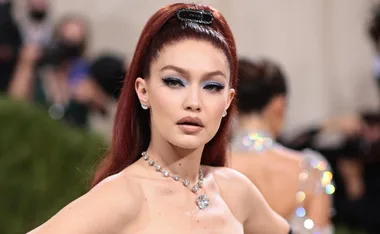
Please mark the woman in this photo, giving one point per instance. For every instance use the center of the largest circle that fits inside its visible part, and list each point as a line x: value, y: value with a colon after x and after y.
x: 291, y: 182
x: 164, y: 173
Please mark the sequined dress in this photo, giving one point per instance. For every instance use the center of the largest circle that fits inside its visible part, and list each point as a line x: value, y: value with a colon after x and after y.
x: 314, y: 165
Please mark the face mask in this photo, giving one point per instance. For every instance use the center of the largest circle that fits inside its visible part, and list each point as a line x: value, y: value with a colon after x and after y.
x: 70, y: 50
x: 37, y: 15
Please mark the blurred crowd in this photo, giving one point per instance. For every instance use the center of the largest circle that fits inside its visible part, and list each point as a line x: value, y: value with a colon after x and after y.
x: 351, y: 144
x: 46, y: 63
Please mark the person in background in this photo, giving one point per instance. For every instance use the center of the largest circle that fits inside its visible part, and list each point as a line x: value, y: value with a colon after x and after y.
x: 296, y: 185
x: 10, y: 44
x: 351, y: 144
x: 58, y: 77
x: 37, y: 27
x: 108, y: 71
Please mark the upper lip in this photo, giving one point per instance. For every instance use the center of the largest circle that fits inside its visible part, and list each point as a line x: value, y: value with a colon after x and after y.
x: 191, y: 121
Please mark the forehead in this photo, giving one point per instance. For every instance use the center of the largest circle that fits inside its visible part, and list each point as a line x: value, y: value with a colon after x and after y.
x: 194, y: 56
x: 37, y: 3
x: 72, y: 28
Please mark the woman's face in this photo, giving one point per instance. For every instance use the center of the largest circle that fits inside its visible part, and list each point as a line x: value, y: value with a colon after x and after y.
x: 187, y: 92
x: 73, y: 31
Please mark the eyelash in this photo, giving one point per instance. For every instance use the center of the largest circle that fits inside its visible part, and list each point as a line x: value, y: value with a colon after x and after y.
x: 214, y: 87
x: 175, y: 83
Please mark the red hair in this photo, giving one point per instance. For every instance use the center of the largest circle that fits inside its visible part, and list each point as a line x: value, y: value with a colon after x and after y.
x: 131, y: 134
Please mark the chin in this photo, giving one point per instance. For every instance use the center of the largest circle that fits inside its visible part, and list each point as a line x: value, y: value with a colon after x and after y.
x: 188, y: 142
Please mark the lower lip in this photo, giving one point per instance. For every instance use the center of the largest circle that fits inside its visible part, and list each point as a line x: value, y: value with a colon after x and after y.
x: 190, y: 129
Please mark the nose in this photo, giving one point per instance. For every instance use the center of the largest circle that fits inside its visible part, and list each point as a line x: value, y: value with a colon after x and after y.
x: 192, y: 101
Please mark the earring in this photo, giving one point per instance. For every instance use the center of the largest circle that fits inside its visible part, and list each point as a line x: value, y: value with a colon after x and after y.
x: 145, y: 107
x: 224, y: 113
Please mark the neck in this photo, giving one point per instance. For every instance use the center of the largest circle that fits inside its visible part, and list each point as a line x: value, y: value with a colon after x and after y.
x: 183, y: 162
x: 256, y: 122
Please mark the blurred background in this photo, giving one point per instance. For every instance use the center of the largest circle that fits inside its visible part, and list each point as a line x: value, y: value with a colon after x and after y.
x: 62, y: 63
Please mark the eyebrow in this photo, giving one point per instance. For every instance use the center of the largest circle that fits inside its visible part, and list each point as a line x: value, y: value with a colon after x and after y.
x: 186, y: 73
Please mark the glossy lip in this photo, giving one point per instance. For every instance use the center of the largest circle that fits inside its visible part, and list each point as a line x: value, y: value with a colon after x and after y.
x: 190, y: 129
x: 191, y: 121
x: 190, y: 125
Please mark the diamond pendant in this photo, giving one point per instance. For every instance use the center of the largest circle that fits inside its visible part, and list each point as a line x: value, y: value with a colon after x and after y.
x: 202, y: 202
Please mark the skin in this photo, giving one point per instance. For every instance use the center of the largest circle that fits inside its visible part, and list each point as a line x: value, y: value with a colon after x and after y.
x: 73, y: 31
x: 276, y: 171
x: 141, y: 200
x: 37, y: 4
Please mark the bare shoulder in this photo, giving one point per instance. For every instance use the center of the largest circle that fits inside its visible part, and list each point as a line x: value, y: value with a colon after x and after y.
x: 107, y: 208
x: 269, y: 164
x: 279, y: 154
x: 225, y: 176
x: 229, y: 180
x: 235, y: 188
x: 290, y: 155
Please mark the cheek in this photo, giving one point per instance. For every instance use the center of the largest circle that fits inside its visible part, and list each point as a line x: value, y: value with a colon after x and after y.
x: 213, y: 114
x: 163, y: 103
x: 215, y: 106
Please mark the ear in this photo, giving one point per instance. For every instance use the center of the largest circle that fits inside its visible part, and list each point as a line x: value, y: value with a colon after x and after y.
x: 231, y: 95
x: 141, y: 88
x: 277, y: 106
x: 280, y: 103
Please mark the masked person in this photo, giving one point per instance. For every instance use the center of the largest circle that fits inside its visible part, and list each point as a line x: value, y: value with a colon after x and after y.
x: 37, y: 27
x: 58, y: 77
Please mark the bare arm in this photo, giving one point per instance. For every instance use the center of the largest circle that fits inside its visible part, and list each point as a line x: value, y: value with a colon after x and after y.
x: 319, y: 210
x: 352, y: 175
x: 261, y: 218
x: 22, y: 83
x: 348, y: 124
x: 107, y: 208
x: 318, y: 203
x: 87, y: 91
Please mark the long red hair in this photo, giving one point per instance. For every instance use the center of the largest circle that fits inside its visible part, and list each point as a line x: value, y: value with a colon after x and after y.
x: 131, y: 134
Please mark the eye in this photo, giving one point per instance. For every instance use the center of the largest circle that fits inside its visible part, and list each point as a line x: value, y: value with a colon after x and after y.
x: 214, y: 86
x: 173, y: 82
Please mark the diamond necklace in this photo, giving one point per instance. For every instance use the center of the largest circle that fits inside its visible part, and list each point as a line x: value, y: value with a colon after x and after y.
x: 202, y: 201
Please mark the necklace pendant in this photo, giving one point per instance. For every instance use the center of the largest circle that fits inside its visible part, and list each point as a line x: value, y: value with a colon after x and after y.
x: 202, y: 202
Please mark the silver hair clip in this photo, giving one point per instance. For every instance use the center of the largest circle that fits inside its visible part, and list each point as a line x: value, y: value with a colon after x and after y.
x: 196, y: 16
